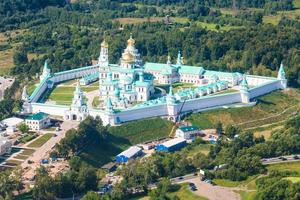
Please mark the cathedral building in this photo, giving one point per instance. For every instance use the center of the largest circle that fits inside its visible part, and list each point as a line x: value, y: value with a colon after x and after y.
x: 126, y: 82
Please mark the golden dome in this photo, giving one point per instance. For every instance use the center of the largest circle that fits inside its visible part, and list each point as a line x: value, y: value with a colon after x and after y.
x: 127, y: 57
x: 104, y: 44
x: 130, y: 41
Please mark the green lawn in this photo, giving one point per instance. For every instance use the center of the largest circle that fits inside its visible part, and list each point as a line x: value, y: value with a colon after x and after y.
x: 27, y: 152
x: 289, y: 166
x: 183, y: 193
x: 293, y: 179
x: 41, y: 140
x: 268, y: 105
x: 249, y: 183
x: 63, y: 95
x: 247, y: 195
x: 201, y: 148
x: 124, y: 136
x: 26, y: 138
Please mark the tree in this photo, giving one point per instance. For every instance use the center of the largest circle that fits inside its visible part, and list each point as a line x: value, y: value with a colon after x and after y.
x: 20, y: 57
x: 91, y: 196
x: 23, y: 128
x: 43, y: 188
x: 219, y: 128
x: 231, y: 131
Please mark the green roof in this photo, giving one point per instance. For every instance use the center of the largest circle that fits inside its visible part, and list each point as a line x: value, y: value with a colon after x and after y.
x: 37, y: 116
x: 186, y: 69
x: 142, y: 83
x: 189, y: 128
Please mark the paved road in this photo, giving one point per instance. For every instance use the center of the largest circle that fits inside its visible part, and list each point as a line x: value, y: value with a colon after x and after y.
x: 44, y: 150
x: 281, y: 159
x: 205, y: 189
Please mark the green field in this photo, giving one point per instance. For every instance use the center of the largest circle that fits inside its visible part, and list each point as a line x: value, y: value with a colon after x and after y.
x: 27, y: 152
x: 265, y: 112
x: 183, y: 193
x: 41, y: 140
x: 63, y: 95
x: 289, y: 166
x: 26, y: 138
x: 124, y: 136
x: 293, y: 179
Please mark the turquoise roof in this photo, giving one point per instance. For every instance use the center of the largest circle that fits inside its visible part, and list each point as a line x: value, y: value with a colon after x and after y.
x: 220, y: 74
x: 37, y: 116
x: 186, y: 69
x: 189, y: 128
x: 142, y: 83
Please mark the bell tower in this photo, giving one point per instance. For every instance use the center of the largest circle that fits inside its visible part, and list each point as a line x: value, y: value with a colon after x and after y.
x: 103, y: 57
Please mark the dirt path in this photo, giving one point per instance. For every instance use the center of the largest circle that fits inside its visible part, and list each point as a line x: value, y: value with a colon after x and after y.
x: 44, y: 150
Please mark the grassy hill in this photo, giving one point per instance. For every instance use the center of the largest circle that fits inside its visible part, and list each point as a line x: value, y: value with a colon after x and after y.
x: 271, y: 108
x: 123, y: 136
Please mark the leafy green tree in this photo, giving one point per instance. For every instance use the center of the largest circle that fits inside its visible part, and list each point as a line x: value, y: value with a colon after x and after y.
x: 23, y: 128
x: 91, y: 196
x: 44, y: 188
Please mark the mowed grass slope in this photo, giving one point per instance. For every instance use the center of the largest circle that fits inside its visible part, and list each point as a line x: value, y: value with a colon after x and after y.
x: 266, y: 110
x: 124, y: 136
x: 183, y: 193
x: 41, y: 140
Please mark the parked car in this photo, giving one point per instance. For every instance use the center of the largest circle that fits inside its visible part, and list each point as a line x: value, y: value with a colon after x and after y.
x: 296, y: 157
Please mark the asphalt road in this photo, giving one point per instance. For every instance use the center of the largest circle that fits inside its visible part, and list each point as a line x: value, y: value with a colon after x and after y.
x: 281, y: 159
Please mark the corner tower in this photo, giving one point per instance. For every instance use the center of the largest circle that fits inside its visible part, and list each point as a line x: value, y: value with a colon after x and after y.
x: 244, y: 90
x: 281, y: 76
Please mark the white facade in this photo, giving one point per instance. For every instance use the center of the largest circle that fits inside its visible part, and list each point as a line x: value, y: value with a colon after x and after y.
x: 187, y: 132
x: 38, y: 121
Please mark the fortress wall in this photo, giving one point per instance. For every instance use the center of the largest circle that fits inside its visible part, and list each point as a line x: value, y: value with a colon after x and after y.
x: 74, y: 73
x: 210, y: 101
x: 49, y: 109
x: 140, y: 113
x: 258, y: 80
x: 39, y: 91
x: 265, y: 88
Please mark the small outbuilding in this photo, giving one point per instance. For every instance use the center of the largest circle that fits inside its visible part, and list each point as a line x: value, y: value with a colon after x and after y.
x: 38, y: 121
x: 187, y: 132
x: 171, y: 145
x: 11, y: 124
x: 5, y: 146
x: 129, y: 154
x: 110, y: 167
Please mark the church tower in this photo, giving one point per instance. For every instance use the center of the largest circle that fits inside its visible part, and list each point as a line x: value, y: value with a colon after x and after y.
x: 179, y: 59
x: 78, y: 110
x: 171, y: 105
x: 46, y: 71
x: 103, y: 57
x: 26, y: 107
x: 281, y: 76
x: 244, y: 90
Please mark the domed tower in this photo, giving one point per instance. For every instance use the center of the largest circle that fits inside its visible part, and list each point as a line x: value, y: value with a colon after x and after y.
x: 131, y: 57
x: 171, y: 105
x: 103, y: 57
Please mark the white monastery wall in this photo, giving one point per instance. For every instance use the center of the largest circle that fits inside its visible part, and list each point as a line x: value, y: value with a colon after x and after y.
x: 140, y: 113
x: 210, y: 101
x: 258, y: 80
x: 58, y: 110
x: 265, y: 88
